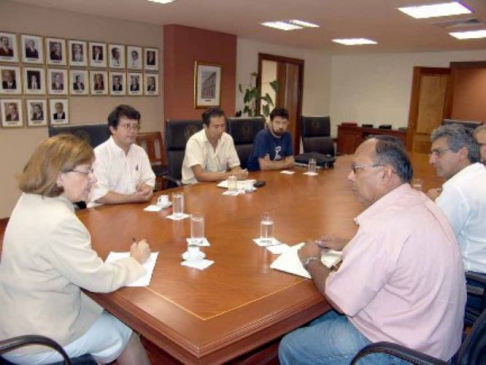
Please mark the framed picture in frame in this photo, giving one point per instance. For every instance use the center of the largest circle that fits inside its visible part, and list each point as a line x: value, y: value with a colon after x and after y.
x: 11, y: 110
x: 151, y: 84
x: 11, y: 81
x: 59, y: 111
x: 36, y: 112
x: 99, y: 82
x: 8, y: 47
x: 32, y: 48
x: 57, y: 81
x: 151, y: 59
x: 134, y: 58
x: 78, y: 82
x: 34, y: 81
x: 78, y: 53
x: 97, y: 54
x: 207, y: 85
x: 117, y: 83
x: 117, y: 56
x: 135, y: 84
x: 56, y: 51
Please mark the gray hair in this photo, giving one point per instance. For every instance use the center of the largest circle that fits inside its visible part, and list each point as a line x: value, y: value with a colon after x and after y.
x: 457, y: 137
x: 389, y: 150
x: 481, y: 128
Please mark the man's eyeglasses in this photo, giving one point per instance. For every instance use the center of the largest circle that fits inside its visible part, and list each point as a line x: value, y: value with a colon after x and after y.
x: 355, y: 167
x: 438, y: 152
x: 127, y: 127
x: 90, y: 171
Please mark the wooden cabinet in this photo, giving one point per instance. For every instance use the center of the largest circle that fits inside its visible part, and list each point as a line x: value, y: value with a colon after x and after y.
x: 351, y: 136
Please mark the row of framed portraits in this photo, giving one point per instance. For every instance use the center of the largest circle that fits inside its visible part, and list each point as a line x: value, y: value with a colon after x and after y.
x: 76, y: 82
x: 61, y: 52
x: 38, y: 112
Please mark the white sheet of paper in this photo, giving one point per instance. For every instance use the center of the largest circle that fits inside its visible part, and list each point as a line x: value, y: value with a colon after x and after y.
x: 198, y: 264
x: 233, y: 193
x: 278, y: 249
x: 241, y: 184
x: 311, y: 173
x: 287, y: 172
x: 262, y: 242
x: 149, y: 266
x: 153, y: 208
x: 289, y: 261
x: 198, y: 242
x: 184, y: 216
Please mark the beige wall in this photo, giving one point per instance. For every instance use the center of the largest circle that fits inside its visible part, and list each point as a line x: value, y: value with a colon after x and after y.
x: 269, y: 74
x: 376, y: 88
x: 16, y: 145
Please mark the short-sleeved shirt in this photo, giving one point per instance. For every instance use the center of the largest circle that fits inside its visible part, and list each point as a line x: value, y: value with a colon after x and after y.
x: 402, y: 279
x: 199, y: 151
x: 463, y: 200
x: 120, y: 172
x: 265, y: 143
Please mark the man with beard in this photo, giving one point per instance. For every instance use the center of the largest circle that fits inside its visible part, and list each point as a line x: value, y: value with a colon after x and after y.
x: 272, y: 148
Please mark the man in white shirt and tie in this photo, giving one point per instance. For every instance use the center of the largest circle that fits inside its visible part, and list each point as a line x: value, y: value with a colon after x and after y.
x: 122, y: 168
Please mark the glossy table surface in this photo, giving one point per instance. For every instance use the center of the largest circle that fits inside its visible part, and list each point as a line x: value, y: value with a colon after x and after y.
x: 238, y: 303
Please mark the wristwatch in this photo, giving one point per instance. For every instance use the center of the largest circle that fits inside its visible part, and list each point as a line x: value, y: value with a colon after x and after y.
x: 308, y: 260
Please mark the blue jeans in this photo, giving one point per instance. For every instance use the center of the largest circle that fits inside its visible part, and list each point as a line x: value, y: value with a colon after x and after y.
x: 330, y: 339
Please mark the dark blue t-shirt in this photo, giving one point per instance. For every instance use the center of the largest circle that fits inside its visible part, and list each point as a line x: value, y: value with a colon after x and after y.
x: 266, y: 144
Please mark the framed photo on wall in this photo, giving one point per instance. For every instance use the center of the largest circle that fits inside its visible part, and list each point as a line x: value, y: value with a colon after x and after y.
x: 32, y: 47
x: 151, y: 59
x: 117, y: 83
x: 151, y: 84
x: 11, y: 81
x: 34, y: 81
x: 78, y: 82
x: 37, y: 112
x: 59, y: 111
x: 56, y: 51
x: 97, y: 54
x: 134, y: 57
x: 78, y: 53
x: 11, y: 110
x: 207, y: 85
x: 57, y: 80
x: 135, y: 84
x: 99, y: 82
x: 8, y: 47
x: 117, y: 56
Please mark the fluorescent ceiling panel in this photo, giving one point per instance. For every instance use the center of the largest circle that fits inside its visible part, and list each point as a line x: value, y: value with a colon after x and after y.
x: 354, y: 41
x: 302, y: 23
x: 472, y: 34
x: 435, y: 10
x: 162, y: 1
x: 281, y: 25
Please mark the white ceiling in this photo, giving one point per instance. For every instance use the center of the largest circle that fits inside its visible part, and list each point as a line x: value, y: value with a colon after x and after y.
x: 376, y: 19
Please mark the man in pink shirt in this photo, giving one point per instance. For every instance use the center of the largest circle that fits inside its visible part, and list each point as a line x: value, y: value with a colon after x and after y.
x: 401, y: 279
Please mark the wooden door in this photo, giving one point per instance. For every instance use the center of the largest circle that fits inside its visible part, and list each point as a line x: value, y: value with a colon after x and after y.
x: 427, y: 105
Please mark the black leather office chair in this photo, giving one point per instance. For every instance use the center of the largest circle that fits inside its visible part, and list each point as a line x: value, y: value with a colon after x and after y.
x: 476, y: 297
x: 94, y: 134
x: 21, y: 341
x: 177, y: 133
x: 243, y: 131
x: 316, y: 135
x: 471, y: 352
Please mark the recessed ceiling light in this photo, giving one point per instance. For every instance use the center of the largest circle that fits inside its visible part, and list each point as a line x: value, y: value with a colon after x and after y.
x: 302, y: 23
x: 471, y: 34
x: 162, y: 1
x: 281, y: 25
x: 435, y: 10
x: 354, y: 41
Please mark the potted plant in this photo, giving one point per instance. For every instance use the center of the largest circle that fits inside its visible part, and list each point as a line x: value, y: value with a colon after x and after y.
x: 252, y: 97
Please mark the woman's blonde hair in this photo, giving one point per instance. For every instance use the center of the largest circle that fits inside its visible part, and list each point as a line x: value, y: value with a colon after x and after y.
x: 52, y: 156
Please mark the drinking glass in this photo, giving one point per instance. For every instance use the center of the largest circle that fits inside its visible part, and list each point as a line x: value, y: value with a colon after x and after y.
x: 232, y: 183
x: 312, y: 165
x: 178, y: 204
x: 266, y: 227
x: 197, y: 228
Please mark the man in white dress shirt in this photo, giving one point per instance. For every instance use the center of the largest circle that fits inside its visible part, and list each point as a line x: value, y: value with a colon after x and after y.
x: 210, y: 153
x: 121, y: 167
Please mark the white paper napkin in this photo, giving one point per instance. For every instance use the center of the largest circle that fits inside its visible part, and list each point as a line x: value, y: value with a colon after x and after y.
x: 153, y: 208
x: 262, y: 242
x: 234, y: 193
x: 198, y: 241
x: 198, y: 264
x: 278, y: 249
x: 311, y: 173
x: 287, y: 172
x: 183, y: 216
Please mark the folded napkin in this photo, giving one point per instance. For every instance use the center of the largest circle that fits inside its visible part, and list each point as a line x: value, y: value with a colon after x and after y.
x: 198, y: 264
x: 183, y: 216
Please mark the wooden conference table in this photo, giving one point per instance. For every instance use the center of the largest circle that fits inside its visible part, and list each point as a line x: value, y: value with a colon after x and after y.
x: 238, y: 304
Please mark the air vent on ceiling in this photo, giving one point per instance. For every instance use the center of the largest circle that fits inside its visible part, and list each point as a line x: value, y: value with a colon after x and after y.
x: 459, y: 23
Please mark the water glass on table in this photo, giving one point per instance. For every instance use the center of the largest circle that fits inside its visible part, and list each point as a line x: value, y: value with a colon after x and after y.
x: 197, y: 228
x: 178, y: 204
x: 232, y: 183
x: 312, y: 165
x: 266, y: 227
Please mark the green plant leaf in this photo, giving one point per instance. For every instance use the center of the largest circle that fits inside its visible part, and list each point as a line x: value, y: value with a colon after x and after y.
x: 248, y: 96
x: 240, y: 87
x: 274, y: 85
x: 266, y: 110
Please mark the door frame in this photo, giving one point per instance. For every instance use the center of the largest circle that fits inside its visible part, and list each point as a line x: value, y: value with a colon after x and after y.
x: 295, y: 61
